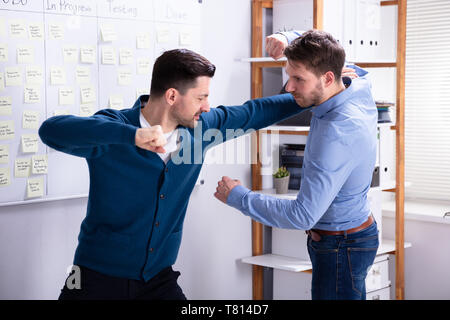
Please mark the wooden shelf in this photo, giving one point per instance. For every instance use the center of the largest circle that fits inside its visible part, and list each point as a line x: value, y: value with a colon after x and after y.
x: 303, y: 130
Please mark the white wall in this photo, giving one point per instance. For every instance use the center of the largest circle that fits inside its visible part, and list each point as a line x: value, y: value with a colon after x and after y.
x: 37, y: 241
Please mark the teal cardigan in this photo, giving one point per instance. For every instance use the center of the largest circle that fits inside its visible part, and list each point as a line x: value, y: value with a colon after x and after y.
x: 137, y: 203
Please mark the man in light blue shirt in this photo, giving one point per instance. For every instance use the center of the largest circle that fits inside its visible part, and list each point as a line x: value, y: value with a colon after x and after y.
x: 337, y: 169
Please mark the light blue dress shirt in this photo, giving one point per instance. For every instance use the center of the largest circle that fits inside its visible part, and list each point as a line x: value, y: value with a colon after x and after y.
x: 338, y: 163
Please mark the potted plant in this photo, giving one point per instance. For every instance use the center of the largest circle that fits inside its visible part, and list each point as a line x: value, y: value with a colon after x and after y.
x: 281, y: 180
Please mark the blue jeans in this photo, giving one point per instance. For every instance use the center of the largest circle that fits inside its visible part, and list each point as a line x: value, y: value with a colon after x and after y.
x: 340, y: 264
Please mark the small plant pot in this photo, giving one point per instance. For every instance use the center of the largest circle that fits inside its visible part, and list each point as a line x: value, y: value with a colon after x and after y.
x: 281, y: 185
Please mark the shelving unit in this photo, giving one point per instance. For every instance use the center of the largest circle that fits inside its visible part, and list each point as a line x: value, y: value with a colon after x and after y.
x: 258, y: 62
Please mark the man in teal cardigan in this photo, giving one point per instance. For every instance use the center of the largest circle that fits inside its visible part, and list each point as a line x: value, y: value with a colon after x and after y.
x: 143, y: 164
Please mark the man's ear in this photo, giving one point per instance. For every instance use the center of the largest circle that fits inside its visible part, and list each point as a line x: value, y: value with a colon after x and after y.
x: 328, y: 78
x: 171, y: 96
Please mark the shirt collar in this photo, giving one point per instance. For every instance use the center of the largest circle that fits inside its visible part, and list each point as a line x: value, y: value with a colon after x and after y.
x: 334, y: 101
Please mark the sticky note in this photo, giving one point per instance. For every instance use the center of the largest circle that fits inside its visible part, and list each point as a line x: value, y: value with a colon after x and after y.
x: 33, y: 75
x: 70, y: 54
x: 35, y: 31
x: 143, y: 66
x: 116, y: 101
x: 143, y: 40
x: 13, y: 76
x: 6, y: 130
x: 57, y: 75
x: 2, y: 82
x: 35, y: 187
x: 3, y: 52
x: 185, y: 38
x: 87, y: 54
x: 124, y: 77
x: 141, y: 91
x: 17, y: 29
x: 108, y: 33
x: 32, y: 94
x: 87, y: 94
x: 25, y: 54
x: 5, y: 106
x: 162, y: 34
x: 5, y: 177
x: 125, y: 56
x: 83, y: 75
x: 108, y: 55
x: 66, y: 96
x: 22, y: 167
x: 30, y: 119
x: 56, y: 31
x: 4, y: 153
x: 87, y: 110
x: 39, y: 164
x: 30, y: 143
x: 61, y: 112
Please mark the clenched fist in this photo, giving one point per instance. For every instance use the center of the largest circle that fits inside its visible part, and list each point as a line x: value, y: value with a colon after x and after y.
x: 151, y: 139
x: 275, y: 45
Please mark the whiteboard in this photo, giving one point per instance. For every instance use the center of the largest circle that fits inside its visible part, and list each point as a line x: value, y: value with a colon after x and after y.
x: 75, y: 57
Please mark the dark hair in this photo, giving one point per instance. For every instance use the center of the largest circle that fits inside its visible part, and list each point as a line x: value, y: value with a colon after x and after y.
x: 179, y: 69
x: 318, y: 51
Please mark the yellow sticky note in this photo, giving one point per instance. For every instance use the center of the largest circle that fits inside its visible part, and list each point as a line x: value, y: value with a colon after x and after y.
x: 141, y: 91
x: 116, y: 101
x: 87, y: 110
x: 70, y: 54
x: 61, y: 112
x: 30, y: 143
x: 185, y: 38
x: 66, y: 96
x: 143, y: 40
x: 30, y: 119
x: 32, y: 94
x: 17, y: 29
x: 162, y: 34
x: 33, y: 75
x: 35, y: 31
x: 35, y: 187
x: 108, y: 33
x: 87, y: 54
x: 124, y: 77
x: 25, y: 54
x: 39, y: 164
x: 56, y: 31
x: 125, y: 56
x: 87, y: 94
x: 83, y: 74
x: 6, y: 130
x: 143, y: 66
x: 108, y: 55
x: 22, y: 167
x: 5, y: 177
x: 3, y: 52
x: 5, y: 106
x: 13, y: 76
x: 2, y: 82
x: 4, y: 153
x: 57, y: 75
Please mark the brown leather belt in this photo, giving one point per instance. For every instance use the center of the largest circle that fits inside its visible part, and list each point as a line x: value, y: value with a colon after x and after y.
x: 315, y: 233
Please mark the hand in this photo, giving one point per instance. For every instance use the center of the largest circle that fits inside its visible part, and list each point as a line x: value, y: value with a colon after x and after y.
x: 151, y: 139
x: 275, y: 45
x: 224, y: 188
x: 349, y: 72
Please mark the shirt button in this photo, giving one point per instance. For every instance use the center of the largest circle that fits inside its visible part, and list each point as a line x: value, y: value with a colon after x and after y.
x: 157, y: 224
x: 151, y: 249
x: 162, y: 196
x: 167, y: 169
